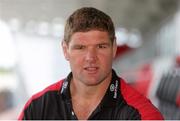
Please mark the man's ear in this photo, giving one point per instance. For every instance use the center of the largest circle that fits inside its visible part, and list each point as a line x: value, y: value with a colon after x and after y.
x: 65, y: 49
x: 114, y: 47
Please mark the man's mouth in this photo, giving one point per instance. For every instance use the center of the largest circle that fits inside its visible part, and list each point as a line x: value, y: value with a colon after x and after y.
x: 91, y: 69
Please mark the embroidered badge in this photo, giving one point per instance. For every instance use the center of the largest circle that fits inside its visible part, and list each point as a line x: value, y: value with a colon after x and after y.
x: 112, y: 87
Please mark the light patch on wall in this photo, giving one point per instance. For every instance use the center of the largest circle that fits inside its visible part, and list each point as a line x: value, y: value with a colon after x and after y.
x: 7, y: 47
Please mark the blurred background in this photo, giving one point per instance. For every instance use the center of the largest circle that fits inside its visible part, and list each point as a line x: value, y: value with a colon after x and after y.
x: 148, y: 56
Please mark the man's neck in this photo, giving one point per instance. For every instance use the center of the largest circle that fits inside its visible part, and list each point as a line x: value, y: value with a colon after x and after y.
x: 86, y: 98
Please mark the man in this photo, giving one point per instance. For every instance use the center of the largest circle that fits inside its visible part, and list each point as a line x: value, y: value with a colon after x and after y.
x: 92, y: 90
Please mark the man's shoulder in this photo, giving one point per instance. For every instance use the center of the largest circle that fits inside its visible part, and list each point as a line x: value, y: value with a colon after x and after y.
x: 131, y: 93
x: 139, y: 102
x: 40, y: 99
x: 53, y: 87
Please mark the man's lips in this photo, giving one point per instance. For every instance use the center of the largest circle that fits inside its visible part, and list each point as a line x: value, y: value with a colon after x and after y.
x: 91, y: 69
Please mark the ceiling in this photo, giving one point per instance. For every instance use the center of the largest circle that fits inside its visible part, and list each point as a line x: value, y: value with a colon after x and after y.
x: 140, y: 14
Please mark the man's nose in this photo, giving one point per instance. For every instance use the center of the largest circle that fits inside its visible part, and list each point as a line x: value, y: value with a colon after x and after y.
x: 91, y: 55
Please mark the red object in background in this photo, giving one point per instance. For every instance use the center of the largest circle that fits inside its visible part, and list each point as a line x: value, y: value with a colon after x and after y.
x: 178, y: 100
x: 122, y: 50
x: 143, y: 80
x: 178, y: 66
x: 178, y: 61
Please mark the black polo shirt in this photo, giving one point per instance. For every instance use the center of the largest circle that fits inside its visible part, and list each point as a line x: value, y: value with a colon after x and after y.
x: 54, y: 102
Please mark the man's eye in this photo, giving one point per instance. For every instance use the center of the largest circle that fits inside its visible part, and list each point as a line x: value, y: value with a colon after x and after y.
x: 79, y: 47
x: 102, y: 46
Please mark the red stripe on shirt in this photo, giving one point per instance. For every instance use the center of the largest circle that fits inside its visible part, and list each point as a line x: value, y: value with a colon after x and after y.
x: 139, y: 102
x: 53, y: 87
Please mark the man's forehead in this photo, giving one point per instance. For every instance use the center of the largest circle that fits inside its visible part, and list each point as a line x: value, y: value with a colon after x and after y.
x: 90, y: 35
x: 91, y: 32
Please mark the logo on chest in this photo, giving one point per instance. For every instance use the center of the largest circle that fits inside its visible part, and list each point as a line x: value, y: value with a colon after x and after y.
x: 114, y: 89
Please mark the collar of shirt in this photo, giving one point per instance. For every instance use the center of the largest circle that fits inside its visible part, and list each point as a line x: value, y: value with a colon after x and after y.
x: 111, y: 97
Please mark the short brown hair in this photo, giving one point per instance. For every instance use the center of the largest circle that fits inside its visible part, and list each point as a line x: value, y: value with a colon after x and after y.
x: 86, y: 19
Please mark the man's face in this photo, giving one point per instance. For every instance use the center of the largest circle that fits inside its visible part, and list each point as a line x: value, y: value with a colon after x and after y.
x: 90, y: 55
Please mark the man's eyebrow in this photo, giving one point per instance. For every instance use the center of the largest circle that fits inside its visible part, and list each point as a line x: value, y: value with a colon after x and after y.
x: 103, y: 43
x: 78, y: 45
